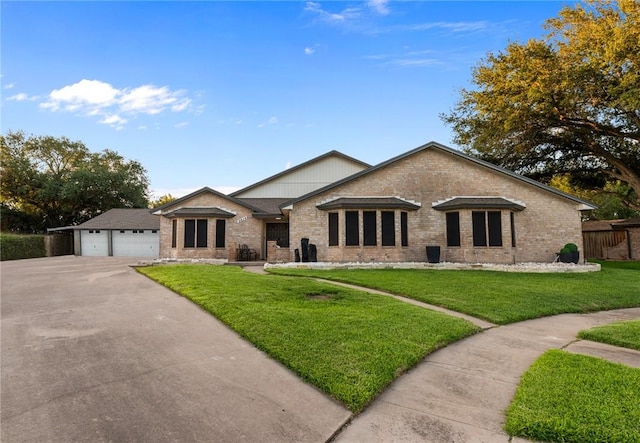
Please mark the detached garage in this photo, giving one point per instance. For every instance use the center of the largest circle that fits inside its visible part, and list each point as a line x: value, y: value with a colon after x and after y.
x: 119, y: 232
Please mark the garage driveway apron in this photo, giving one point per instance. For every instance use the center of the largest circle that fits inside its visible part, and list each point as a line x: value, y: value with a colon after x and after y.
x: 93, y: 351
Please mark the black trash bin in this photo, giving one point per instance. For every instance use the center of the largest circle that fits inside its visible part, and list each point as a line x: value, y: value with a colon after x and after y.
x: 305, y: 249
x: 433, y: 254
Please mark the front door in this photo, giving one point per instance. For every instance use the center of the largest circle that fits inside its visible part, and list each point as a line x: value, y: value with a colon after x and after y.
x: 278, y: 232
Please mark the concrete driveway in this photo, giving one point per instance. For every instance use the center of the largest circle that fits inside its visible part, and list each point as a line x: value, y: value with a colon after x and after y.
x: 93, y: 351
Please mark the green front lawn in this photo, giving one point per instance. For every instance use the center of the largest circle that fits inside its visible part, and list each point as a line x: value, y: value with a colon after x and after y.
x: 565, y: 397
x: 623, y: 333
x: 499, y: 297
x: 349, y: 344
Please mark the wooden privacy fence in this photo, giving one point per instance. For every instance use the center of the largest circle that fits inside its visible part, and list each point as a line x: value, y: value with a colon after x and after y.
x: 606, y: 245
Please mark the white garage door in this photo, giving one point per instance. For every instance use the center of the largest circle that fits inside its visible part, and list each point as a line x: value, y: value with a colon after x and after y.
x: 136, y: 243
x: 94, y: 243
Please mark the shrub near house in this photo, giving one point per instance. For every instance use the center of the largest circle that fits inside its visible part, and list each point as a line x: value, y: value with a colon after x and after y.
x: 14, y: 247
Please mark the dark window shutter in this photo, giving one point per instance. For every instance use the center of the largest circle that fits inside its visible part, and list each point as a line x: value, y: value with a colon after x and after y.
x: 201, y: 232
x: 495, y: 228
x: 220, y: 233
x: 174, y: 233
x: 404, y: 228
x: 369, y: 228
x: 513, y: 229
x: 479, y: 228
x: 388, y: 229
x: 333, y: 229
x: 189, y: 233
x: 453, y: 229
x: 352, y: 237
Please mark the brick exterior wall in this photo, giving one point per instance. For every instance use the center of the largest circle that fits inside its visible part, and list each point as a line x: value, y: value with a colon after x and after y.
x: 241, y: 229
x: 547, y: 223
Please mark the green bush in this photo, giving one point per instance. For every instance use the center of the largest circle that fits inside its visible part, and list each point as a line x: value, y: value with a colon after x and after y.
x: 571, y: 247
x: 14, y: 247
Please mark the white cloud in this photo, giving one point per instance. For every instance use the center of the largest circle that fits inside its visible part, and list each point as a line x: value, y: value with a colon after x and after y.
x: 345, y: 15
x: 9, y: 86
x: 113, y: 120
x: 309, y: 51
x: 97, y: 98
x: 18, y: 97
x: 181, y: 125
x: 379, y: 6
x: 271, y: 121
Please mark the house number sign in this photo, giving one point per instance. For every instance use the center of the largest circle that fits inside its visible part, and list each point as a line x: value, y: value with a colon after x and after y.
x: 242, y: 219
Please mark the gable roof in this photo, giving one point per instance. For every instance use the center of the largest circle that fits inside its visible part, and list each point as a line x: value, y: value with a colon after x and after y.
x: 123, y: 218
x: 200, y: 191
x: 434, y: 145
x: 266, y: 206
x: 200, y: 212
x: 288, y: 171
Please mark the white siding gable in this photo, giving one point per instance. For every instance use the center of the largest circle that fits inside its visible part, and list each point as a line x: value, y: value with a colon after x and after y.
x: 304, y: 179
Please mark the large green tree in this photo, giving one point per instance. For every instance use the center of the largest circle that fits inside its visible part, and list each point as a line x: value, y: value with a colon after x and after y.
x: 565, y: 104
x: 49, y: 182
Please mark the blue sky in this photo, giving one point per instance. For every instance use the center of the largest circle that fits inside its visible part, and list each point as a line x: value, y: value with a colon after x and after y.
x: 223, y: 94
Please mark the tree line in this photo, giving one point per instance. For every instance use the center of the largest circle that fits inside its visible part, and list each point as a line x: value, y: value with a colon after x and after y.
x: 48, y: 182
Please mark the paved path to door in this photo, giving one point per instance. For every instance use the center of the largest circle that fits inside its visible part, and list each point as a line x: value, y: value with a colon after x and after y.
x: 94, y: 351
x: 459, y: 394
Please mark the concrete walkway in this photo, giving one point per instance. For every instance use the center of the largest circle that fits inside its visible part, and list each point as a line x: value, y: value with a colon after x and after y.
x: 459, y: 393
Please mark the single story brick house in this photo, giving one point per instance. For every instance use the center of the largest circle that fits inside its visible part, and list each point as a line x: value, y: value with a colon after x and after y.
x: 470, y: 210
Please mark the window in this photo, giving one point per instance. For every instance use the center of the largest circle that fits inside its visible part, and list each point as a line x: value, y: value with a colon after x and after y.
x: 388, y: 228
x: 195, y: 233
x: 513, y: 229
x: 352, y: 236
x: 201, y: 233
x: 174, y: 233
x: 495, y: 228
x: 404, y: 228
x: 453, y: 229
x: 333, y: 229
x: 369, y: 228
x: 189, y: 233
x: 220, y: 233
x: 483, y: 220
